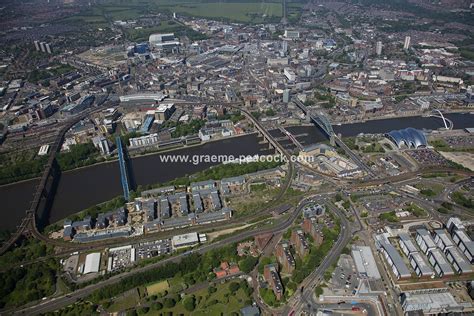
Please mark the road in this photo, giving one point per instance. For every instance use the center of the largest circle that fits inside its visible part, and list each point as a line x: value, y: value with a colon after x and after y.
x: 59, y: 302
x: 304, y: 296
x: 29, y: 221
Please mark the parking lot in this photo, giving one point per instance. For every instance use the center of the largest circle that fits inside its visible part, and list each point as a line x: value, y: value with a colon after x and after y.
x: 344, y: 279
x: 427, y: 157
x: 153, y: 248
x: 120, y: 258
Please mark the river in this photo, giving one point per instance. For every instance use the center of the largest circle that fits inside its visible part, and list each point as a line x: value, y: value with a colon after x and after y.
x: 82, y: 188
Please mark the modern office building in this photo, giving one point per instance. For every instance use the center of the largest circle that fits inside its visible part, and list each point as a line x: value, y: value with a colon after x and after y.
x: 394, y: 260
x: 406, y: 244
x: 458, y: 261
x: 429, y: 302
x: 465, y: 244
x: 424, y: 240
x: 420, y: 266
x: 442, y: 240
x: 378, y: 48
x: 289, y: 74
x: 406, y: 44
x: 439, y: 263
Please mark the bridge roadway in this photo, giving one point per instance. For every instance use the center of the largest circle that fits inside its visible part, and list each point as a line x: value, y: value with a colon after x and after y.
x: 65, y: 300
x: 28, y: 223
x: 330, y: 133
x: 123, y: 170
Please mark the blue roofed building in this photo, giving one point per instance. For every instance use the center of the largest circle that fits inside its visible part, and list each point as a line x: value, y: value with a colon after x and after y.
x: 408, y: 137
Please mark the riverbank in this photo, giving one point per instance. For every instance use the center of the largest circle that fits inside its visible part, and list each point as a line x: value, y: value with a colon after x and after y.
x: 81, y: 188
x: 114, y: 158
x: 397, y: 116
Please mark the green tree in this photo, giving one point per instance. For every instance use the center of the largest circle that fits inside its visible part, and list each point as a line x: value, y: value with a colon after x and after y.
x: 234, y: 287
x: 211, y: 289
x: 270, y: 112
x: 143, y: 310
x: 318, y: 291
x: 189, y: 303
x: 247, y: 264
x: 268, y: 296
x: 169, y: 302
x: 157, y: 306
x: 263, y: 262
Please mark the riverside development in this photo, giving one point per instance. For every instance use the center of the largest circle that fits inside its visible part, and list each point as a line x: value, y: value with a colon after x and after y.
x: 231, y: 158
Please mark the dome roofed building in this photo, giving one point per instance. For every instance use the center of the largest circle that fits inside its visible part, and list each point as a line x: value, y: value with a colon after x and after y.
x: 409, y: 137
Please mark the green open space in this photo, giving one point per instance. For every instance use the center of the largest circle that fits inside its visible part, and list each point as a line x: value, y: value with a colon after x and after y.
x: 389, y: 217
x: 460, y: 198
x: 249, y: 12
x: 21, y: 165
x: 38, y: 75
x: 22, y: 284
x: 124, y: 302
x: 415, y: 210
x: 429, y: 189
x: 142, y: 34
x: 158, y: 287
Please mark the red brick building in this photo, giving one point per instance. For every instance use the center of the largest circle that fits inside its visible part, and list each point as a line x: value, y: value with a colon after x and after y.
x: 285, y: 258
x: 270, y: 273
x: 314, y: 229
x: 299, y: 242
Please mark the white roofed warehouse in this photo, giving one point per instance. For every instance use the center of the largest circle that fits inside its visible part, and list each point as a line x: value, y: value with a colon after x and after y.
x: 185, y: 240
x: 92, y: 263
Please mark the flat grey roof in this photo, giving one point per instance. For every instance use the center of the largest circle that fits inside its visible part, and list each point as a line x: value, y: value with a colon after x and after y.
x: 433, y: 300
x: 408, y: 242
x: 441, y: 233
x: 396, y: 259
x: 459, y: 259
x: 421, y: 263
x: 426, y: 236
x: 441, y: 261
x: 365, y: 262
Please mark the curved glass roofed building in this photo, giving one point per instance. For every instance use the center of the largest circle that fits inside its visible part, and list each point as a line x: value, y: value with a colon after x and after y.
x: 410, y: 137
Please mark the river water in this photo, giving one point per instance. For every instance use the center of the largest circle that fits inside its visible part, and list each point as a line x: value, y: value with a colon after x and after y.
x: 82, y: 188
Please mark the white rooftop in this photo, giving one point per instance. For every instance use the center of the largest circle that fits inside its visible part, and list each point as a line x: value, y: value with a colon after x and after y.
x: 365, y: 262
x: 92, y: 263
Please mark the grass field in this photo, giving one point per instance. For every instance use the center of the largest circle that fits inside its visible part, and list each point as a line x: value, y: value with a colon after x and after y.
x: 241, y: 12
x: 252, y: 11
x: 158, y: 287
x: 222, y: 302
x: 128, y: 300
x: 140, y: 35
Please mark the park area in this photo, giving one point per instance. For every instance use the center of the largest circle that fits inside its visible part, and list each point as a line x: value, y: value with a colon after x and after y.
x: 256, y: 12
x: 232, y: 10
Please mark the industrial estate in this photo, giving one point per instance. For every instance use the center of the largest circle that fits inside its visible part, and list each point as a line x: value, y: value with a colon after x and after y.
x: 277, y: 157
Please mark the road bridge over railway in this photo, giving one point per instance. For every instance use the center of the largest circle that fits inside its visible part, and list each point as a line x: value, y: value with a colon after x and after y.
x: 323, y: 123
